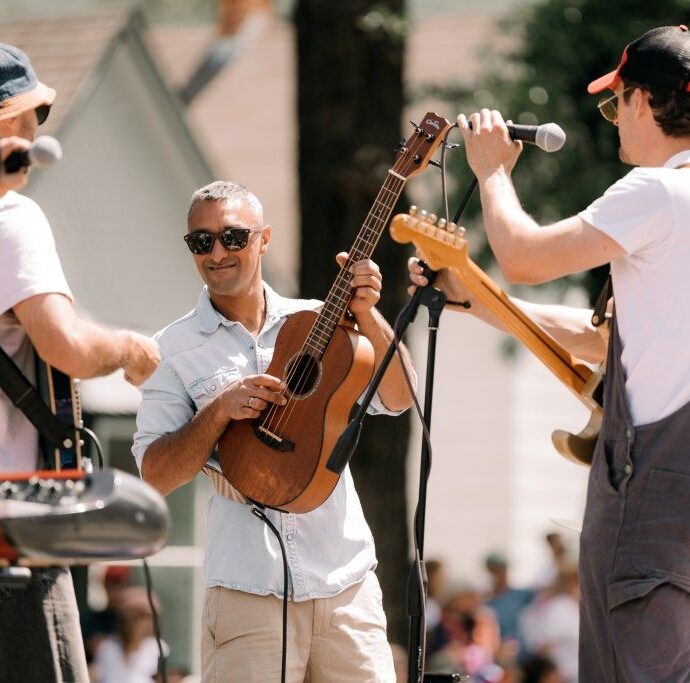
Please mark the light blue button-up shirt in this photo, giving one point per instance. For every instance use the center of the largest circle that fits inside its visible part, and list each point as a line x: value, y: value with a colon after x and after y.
x: 328, y: 549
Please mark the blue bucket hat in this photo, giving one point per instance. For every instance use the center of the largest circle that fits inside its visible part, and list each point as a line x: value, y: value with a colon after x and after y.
x: 20, y: 90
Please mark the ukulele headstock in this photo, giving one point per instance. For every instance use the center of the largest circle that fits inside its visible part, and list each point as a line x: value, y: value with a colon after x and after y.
x: 415, y: 154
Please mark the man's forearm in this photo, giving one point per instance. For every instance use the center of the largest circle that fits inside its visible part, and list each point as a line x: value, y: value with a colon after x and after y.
x: 508, y: 226
x: 570, y: 327
x: 174, y: 459
x: 393, y: 389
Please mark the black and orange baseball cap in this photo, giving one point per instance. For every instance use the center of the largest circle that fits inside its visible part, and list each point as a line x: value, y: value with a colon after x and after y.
x: 660, y: 57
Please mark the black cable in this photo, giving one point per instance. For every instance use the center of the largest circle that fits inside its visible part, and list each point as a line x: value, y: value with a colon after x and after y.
x: 156, y: 623
x: 427, y: 438
x: 444, y: 192
x: 465, y: 199
x: 258, y: 512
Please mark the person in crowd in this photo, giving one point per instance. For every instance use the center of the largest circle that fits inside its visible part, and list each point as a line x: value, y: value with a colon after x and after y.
x: 130, y: 654
x: 97, y: 624
x: 506, y: 601
x: 550, y: 625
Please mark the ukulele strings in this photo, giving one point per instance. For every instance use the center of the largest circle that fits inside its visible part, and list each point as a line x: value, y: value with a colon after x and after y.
x: 342, y: 293
x: 323, y: 337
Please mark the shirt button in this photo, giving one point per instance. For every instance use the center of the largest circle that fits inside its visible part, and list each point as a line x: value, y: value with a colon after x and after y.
x: 627, y: 469
x: 251, y: 346
x: 289, y: 537
x: 213, y: 387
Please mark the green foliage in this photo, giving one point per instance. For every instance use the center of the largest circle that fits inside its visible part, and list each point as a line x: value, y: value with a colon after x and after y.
x: 556, y: 48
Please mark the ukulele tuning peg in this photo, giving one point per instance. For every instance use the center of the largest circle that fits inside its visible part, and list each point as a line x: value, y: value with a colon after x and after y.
x: 412, y: 210
x: 432, y: 218
x: 460, y: 230
x: 442, y: 222
x: 400, y: 147
x: 451, y: 227
x: 423, y: 214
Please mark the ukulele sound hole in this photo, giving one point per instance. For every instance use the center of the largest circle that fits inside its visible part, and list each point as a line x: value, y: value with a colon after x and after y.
x: 303, y: 374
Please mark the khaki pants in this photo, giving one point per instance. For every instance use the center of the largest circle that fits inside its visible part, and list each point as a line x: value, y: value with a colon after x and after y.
x: 329, y: 640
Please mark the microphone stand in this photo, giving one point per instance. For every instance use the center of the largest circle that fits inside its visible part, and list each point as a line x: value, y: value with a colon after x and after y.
x: 434, y: 299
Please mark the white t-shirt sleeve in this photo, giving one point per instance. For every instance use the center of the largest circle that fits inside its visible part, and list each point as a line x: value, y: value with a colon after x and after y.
x: 29, y: 263
x: 631, y: 211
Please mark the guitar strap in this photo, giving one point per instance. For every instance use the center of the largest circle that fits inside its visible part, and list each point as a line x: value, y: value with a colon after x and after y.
x: 24, y: 396
x: 599, y: 312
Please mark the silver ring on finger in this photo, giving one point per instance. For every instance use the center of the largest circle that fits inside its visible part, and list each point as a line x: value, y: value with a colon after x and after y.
x: 250, y: 402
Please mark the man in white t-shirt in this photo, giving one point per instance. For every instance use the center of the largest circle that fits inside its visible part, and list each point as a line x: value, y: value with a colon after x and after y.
x: 40, y: 638
x: 635, y: 544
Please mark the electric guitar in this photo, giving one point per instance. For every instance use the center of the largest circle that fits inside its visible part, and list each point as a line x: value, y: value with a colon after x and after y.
x: 62, y: 395
x: 442, y: 245
x: 279, y: 459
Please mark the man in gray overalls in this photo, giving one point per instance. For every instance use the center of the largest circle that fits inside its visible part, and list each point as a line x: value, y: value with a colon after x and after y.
x: 635, y: 544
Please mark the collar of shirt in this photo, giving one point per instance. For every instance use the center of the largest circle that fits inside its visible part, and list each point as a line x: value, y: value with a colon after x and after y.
x: 678, y: 159
x: 277, y: 307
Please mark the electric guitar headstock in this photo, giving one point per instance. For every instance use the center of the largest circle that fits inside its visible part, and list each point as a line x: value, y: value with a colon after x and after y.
x: 440, y: 243
x: 414, y: 155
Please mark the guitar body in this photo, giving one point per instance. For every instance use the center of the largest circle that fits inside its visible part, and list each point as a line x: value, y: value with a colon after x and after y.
x: 279, y: 459
x: 579, y: 448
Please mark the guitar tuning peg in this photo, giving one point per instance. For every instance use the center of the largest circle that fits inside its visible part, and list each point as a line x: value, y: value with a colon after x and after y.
x: 442, y: 222
x: 423, y: 214
x: 412, y: 210
x: 432, y: 217
x: 401, y: 146
x: 451, y: 227
x: 460, y: 230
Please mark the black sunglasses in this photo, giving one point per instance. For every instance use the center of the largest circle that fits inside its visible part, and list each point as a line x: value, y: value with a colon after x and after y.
x: 42, y: 112
x: 233, y: 239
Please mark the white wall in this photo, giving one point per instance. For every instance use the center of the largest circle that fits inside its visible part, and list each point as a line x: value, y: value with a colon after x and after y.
x: 117, y: 202
x: 496, y: 481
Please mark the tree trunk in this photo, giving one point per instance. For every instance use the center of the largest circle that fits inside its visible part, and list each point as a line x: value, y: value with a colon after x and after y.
x: 350, y: 99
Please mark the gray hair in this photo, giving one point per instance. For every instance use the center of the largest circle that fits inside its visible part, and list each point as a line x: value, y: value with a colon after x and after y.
x: 229, y: 191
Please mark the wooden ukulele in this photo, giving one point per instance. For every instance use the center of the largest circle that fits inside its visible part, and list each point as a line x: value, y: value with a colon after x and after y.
x: 442, y: 245
x: 279, y: 459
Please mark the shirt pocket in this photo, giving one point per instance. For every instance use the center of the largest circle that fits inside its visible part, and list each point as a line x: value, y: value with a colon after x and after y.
x: 204, y: 390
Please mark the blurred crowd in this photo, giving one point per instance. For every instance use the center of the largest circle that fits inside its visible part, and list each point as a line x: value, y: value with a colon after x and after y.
x: 493, y: 633
x: 500, y: 633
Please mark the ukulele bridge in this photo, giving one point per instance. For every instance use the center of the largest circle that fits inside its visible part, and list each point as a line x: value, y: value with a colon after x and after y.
x: 273, y: 440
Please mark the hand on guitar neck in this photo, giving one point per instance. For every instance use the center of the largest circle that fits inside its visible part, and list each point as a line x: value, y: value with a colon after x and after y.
x: 366, y: 284
x: 570, y: 327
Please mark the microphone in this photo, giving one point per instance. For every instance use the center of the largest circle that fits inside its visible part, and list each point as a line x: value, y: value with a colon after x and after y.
x: 549, y: 137
x: 44, y: 152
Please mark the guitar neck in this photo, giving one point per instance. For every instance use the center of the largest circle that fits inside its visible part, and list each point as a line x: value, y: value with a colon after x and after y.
x: 559, y: 361
x: 412, y: 158
x: 363, y: 247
